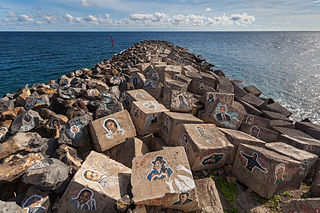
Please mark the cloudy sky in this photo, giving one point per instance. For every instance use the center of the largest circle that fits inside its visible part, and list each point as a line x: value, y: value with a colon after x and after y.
x: 125, y: 15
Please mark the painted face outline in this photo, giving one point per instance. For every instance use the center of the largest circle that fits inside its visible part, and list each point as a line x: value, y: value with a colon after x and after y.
x: 279, y: 173
x: 94, y: 176
x: 55, y: 123
x: 150, y: 105
x: 228, y: 99
x: 84, y: 199
x: 112, y: 127
x: 159, y: 170
x: 75, y: 129
x: 32, y: 202
x: 250, y: 119
x: 3, y: 131
x: 91, y: 92
x: 30, y: 102
x: 183, y: 198
x: 255, y: 131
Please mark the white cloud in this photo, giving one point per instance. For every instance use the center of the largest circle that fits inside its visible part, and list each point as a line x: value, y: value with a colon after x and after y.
x: 156, y: 17
x: 315, y: 2
x: 236, y: 19
x: 26, y: 18
x: 85, y: 3
x: 208, y: 9
x: 72, y: 19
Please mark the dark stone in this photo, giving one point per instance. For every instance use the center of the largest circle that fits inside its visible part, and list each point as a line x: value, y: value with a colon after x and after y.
x: 253, y: 100
x: 250, y: 109
x: 276, y: 107
x: 26, y: 121
x: 239, y: 93
x: 275, y: 116
x: 309, y: 128
x: 47, y: 174
x: 69, y: 156
x: 253, y: 90
x: 108, y: 106
x: 281, y: 123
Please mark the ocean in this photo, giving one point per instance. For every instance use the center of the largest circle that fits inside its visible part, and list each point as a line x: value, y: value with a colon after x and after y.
x: 285, y: 66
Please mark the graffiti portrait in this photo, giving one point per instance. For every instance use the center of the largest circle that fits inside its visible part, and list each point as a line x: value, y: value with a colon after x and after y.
x: 212, y: 159
x: 140, y: 95
x: 84, y: 200
x: 136, y: 112
x: 228, y: 99
x: 33, y: 204
x: 152, y: 120
x: 3, y: 132
x: 222, y: 115
x: 112, y: 127
x: 279, y: 173
x: 55, y: 123
x: 165, y: 125
x: 252, y: 162
x: 30, y: 102
x: 255, y: 131
x: 150, y: 105
x: 182, y: 103
x: 159, y: 171
x: 183, y: 199
x: 126, y: 101
x: 95, y: 177
x: 155, y: 77
x: 210, y: 98
x: 75, y: 131
x: 250, y: 119
x: 203, y: 134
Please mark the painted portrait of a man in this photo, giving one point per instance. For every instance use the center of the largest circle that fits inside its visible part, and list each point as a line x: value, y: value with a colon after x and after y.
x: 84, y: 200
x: 33, y: 204
x: 112, y: 127
x: 95, y: 177
x: 183, y: 199
x: 160, y: 171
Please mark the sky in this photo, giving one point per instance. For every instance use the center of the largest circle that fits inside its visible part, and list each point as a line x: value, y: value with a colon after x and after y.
x: 159, y: 15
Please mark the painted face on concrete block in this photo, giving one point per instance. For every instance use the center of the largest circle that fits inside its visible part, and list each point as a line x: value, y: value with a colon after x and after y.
x: 55, y: 123
x: 160, y: 171
x: 183, y: 199
x: 84, y: 200
x: 279, y: 173
x: 255, y: 131
x: 228, y: 99
x: 112, y: 127
x: 30, y: 102
x: 250, y: 119
x: 95, y: 177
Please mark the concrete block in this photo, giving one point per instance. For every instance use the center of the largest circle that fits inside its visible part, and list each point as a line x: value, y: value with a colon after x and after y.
x: 257, y: 121
x: 302, y: 205
x: 261, y: 133
x: 111, y: 130
x: 97, y: 185
x: 309, y: 128
x: 266, y: 172
x: 135, y: 95
x: 146, y: 116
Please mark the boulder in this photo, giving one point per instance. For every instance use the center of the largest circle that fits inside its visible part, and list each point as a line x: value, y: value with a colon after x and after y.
x: 266, y: 172
x: 14, y: 166
x: 48, y: 174
x: 307, y: 159
x: 125, y: 152
x: 205, y: 145
x: 257, y: 121
x: 276, y: 107
x: 253, y: 90
x: 147, y: 116
x: 261, y: 133
x: 76, y: 134
x: 111, y: 130
x: 309, y: 128
x: 11, y: 114
x: 37, y: 102
x: 237, y: 138
x: 135, y: 95
x: 97, y: 185
x: 299, y: 140
x: 301, y: 205
x: 164, y: 178
x: 35, y: 200
x: 169, y: 130
x: 26, y: 121
x: 9, y: 207
x: 208, y: 196
x: 239, y: 92
x: 225, y: 85
x: 107, y: 106
x: 315, y: 186
x: 27, y: 141
x: 281, y: 123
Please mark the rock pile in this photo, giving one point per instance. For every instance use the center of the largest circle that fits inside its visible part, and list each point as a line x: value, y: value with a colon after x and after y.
x: 128, y: 135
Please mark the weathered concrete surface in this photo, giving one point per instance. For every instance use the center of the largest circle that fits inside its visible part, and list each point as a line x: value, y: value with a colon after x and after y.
x: 308, y: 159
x: 311, y: 129
x: 253, y: 90
x: 302, y: 205
x: 111, y: 130
x: 35, y: 200
x: 9, y: 207
x: 299, y: 139
x: 315, y: 187
x: 257, y: 121
x: 237, y: 138
x: 208, y: 196
x: 261, y: 133
x: 206, y: 146
x: 146, y: 116
x: 164, y: 178
x: 135, y: 95
x: 266, y: 172
x: 169, y: 130
x: 97, y: 185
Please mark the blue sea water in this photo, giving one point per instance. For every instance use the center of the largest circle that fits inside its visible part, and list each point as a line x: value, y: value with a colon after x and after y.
x: 283, y: 65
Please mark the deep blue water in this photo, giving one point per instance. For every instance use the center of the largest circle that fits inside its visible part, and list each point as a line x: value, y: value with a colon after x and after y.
x: 284, y: 65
